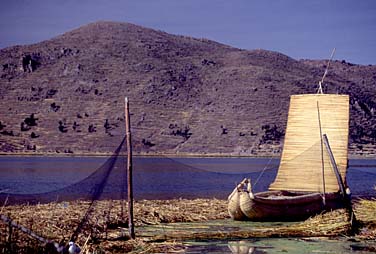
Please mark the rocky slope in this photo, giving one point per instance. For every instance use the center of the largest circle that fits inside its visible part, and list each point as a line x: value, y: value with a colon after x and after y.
x: 187, y: 95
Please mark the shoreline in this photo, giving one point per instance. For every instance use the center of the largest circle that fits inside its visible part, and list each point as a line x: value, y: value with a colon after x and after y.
x: 169, y: 155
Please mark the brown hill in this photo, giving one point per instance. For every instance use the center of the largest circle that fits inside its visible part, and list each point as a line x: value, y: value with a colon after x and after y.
x: 187, y: 95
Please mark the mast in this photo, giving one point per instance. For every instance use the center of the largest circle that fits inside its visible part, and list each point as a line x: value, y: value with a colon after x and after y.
x: 322, y: 156
x: 319, y: 90
x: 345, y: 192
x: 129, y: 171
x: 334, y: 164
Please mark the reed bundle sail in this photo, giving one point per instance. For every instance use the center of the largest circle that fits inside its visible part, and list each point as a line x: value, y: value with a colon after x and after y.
x: 304, y: 158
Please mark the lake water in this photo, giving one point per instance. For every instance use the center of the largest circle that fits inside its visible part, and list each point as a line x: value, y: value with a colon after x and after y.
x: 161, y: 178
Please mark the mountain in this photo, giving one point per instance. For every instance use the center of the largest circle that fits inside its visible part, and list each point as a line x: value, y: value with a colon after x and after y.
x: 187, y: 95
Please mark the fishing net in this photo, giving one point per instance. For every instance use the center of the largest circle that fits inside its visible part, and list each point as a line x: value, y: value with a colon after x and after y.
x: 153, y: 178
x: 90, y: 188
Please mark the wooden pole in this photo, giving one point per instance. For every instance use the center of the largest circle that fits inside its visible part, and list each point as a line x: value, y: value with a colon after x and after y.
x: 346, y: 194
x: 129, y: 170
x: 322, y: 156
x: 335, y: 168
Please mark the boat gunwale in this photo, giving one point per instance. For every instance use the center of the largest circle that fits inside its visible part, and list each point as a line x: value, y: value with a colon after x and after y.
x: 298, y: 198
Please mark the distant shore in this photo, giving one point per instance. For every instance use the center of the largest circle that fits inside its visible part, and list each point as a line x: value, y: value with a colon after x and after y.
x: 369, y: 155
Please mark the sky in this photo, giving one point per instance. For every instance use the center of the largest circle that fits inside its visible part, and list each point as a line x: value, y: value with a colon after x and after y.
x: 301, y: 29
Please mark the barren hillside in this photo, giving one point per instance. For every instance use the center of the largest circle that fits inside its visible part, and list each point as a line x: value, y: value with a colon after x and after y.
x: 187, y: 95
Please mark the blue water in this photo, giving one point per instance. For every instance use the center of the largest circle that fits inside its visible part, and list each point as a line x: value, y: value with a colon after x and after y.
x: 163, y: 178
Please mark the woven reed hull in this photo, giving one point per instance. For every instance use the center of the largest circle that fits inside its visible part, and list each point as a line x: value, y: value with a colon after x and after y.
x: 234, y: 207
x: 286, y: 206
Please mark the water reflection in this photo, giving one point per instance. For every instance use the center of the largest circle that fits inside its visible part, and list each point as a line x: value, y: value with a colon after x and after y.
x: 281, y: 245
x: 244, y: 247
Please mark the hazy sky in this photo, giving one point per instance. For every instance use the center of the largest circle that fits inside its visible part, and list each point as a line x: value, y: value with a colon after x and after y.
x: 297, y: 28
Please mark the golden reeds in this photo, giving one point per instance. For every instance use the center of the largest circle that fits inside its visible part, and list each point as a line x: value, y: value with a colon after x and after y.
x: 58, y: 221
x: 365, y: 211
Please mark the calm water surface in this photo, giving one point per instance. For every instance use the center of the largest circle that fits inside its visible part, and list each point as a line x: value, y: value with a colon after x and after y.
x: 163, y: 177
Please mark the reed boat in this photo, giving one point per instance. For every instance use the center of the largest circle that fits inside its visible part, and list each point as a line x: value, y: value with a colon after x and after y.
x: 311, y: 177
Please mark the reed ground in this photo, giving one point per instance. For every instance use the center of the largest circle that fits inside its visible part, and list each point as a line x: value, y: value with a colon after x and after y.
x: 106, y: 228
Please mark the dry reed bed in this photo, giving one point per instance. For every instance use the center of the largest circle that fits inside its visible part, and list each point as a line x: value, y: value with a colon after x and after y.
x: 58, y: 221
x: 329, y: 224
x: 365, y: 211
